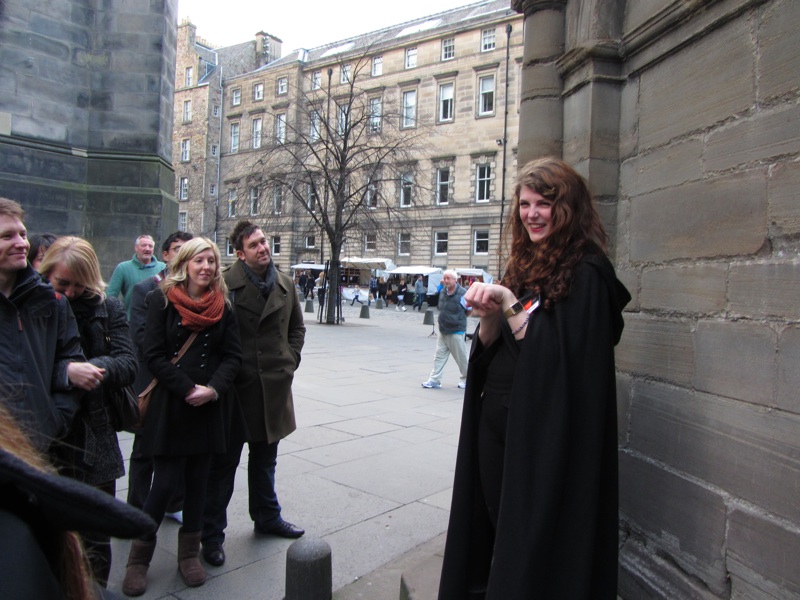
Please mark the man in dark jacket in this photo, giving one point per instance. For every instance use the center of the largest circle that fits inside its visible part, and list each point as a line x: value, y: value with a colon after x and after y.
x: 452, y: 328
x: 140, y: 469
x: 272, y: 331
x: 40, y: 338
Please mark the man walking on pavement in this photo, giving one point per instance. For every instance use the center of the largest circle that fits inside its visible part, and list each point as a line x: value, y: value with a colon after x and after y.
x: 419, y: 293
x: 272, y: 329
x: 452, y: 328
x: 130, y: 272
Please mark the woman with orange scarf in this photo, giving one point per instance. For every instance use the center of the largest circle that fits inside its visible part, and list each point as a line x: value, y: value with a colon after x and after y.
x: 186, y: 421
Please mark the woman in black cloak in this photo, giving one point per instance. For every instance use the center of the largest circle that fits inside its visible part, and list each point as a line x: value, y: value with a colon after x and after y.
x: 534, y: 511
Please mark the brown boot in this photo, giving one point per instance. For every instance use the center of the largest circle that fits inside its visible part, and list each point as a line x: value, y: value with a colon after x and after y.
x: 191, y: 570
x: 135, y: 582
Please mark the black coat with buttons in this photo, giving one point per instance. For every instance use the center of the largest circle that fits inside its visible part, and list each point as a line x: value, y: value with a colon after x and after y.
x: 172, y: 426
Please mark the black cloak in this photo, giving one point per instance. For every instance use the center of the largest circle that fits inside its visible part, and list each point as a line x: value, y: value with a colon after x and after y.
x: 557, y: 523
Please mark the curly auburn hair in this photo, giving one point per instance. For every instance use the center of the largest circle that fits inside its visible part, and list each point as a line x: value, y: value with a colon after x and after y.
x: 546, y: 267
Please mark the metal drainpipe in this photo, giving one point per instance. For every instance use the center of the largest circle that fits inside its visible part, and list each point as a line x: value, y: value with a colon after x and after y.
x: 505, y: 142
x: 219, y: 159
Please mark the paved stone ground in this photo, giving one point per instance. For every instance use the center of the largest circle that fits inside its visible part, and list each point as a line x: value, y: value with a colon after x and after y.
x: 369, y: 469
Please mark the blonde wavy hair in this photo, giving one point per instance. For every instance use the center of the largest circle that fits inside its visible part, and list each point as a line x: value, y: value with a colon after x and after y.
x: 79, y: 257
x: 178, y: 274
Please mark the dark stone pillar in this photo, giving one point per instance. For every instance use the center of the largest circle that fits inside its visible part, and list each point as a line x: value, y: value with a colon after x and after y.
x: 86, y: 118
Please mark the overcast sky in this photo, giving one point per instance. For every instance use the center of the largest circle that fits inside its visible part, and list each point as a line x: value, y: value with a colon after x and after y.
x: 301, y: 23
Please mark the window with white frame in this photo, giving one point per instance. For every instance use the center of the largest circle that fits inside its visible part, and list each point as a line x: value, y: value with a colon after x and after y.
x: 236, y: 97
x: 448, y: 48
x: 370, y: 242
x: 483, y: 183
x: 409, y: 108
x: 231, y: 203
x: 280, y: 128
x: 183, y: 220
x: 185, y: 150
x: 316, y: 80
x: 406, y: 189
x: 311, y: 197
x: 375, y: 115
x: 257, y: 133
x: 377, y: 66
x: 277, y: 200
x: 254, y: 194
x: 487, y: 40
x: 213, y: 149
x: 229, y: 250
x: 342, y: 113
x: 311, y: 241
x: 440, y: 242
x: 344, y: 75
x: 371, y: 197
x: 486, y: 95
x: 446, y: 94
x: 189, y: 77
x: 480, y: 244
x: 443, y: 185
x: 234, y: 137
x: 215, y: 110
x: 183, y: 194
x: 212, y: 190
x: 404, y: 244
x: 276, y: 245
x: 411, y: 58
x: 258, y: 91
x: 314, y: 126
x: 187, y: 111
x: 283, y: 85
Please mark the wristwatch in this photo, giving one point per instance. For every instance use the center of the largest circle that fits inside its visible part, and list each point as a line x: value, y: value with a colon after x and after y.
x: 514, y: 309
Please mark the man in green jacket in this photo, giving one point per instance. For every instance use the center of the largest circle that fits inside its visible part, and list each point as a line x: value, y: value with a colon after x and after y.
x: 130, y: 272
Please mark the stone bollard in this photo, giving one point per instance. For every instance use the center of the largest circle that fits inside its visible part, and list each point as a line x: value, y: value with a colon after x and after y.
x: 309, y: 575
x: 428, y: 320
x: 310, y: 306
x: 364, y: 312
x: 379, y: 303
x: 424, y: 307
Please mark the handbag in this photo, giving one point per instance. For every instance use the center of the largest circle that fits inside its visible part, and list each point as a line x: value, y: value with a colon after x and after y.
x: 147, y: 393
x: 123, y: 408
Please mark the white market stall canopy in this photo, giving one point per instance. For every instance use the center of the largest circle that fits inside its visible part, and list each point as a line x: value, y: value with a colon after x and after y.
x: 357, y: 262
x: 475, y: 273
x: 312, y: 266
x: 414, y: 270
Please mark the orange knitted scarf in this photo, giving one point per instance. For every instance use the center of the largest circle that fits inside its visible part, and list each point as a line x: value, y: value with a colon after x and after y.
x: 197, y: 314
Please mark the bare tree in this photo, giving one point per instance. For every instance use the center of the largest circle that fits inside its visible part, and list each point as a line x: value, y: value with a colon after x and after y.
x: 345, y: 157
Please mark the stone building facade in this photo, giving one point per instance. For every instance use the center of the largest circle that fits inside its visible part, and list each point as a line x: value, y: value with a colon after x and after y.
x: 86, y: 118
x: 684, y: 117
x: 199, y: 75
x: 450, y: 63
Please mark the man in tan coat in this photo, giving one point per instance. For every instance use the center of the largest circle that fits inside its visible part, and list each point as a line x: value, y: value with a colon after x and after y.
x: 271, y: 324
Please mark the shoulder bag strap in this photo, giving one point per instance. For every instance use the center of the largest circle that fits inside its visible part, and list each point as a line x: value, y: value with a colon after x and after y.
x: 177, y: 357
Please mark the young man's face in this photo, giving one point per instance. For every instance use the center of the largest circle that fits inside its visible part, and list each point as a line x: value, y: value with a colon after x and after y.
x: 14, y: 244
x: 172, y: 252
x: 255, y: 251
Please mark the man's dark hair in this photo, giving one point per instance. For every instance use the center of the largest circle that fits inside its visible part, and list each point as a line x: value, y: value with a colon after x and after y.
x: 242, y: 231
x: 182, y: 236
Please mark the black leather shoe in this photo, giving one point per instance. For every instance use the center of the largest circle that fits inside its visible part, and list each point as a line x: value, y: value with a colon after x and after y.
x: 213, y: 554
x: 281, y: 528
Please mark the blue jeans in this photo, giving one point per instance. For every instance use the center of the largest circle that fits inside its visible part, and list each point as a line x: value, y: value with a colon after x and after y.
x: 264, y: 507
